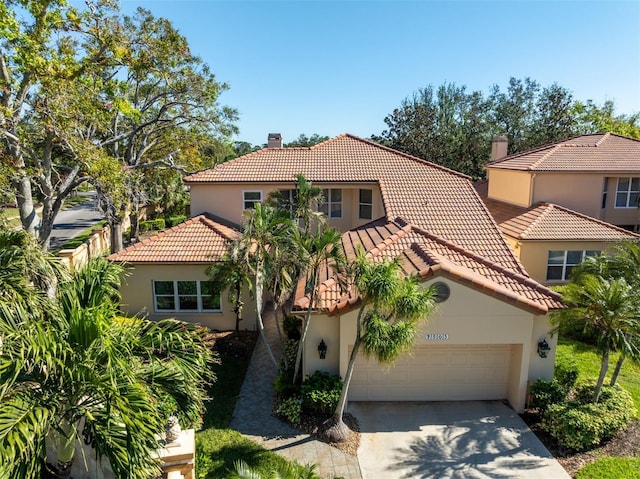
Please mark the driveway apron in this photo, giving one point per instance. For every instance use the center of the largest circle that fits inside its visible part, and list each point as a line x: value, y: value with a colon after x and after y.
x: 456, y: 440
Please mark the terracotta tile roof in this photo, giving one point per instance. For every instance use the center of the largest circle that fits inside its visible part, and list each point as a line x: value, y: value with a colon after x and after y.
x: 201, y: 239
x: 605, y: 152
x: 426, y: 255
x: 548, y: 221
x: 419, y: 192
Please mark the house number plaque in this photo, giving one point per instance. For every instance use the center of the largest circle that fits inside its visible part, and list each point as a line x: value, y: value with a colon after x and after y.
x: 437, y: 337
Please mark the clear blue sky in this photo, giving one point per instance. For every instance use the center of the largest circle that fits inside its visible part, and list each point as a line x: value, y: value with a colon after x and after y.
x: 334, y: 67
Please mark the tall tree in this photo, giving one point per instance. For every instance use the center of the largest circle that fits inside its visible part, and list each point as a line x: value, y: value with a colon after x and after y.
x: 49, y: 52
x: 89, y: 95
x: 264, y: 228
x: 592, y: 118
x: 306, y: 141
x: 444, y: 125
x: 72, y: 371
x: 320, y: 251
x: 391, y: 306
x: 232, y: 273
x: 606, y: 307
x: 167, y: 103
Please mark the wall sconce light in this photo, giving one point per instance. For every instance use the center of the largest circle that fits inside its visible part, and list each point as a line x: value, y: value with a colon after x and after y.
x: 322, y: 349
x: 543, y: 348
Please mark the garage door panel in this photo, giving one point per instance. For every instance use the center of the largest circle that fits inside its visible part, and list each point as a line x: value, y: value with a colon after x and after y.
x: 436, y: 373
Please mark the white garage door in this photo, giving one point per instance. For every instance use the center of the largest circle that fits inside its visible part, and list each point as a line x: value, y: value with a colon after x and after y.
x: 435, y: 373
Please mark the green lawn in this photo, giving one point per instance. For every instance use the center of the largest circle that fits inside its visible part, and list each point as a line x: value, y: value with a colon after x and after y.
x: 588, y: 361
x: 218, y: 446
x: 611, y: 468
x: 81, y: 238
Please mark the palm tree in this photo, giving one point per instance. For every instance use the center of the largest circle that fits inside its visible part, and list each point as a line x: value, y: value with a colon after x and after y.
x: 607, y: 307
x: 74, y: 371
x: 232, y: 273
x: 391, y: 307
x: 302, y: 204
x: 625, y: 263
x: 321, y: 250
x: 265, y: 228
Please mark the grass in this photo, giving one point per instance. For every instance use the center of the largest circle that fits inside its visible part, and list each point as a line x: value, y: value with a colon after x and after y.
x: 81, y: 238
x: 218, y: 446
x: 611, y: 468
x: 587, y: 359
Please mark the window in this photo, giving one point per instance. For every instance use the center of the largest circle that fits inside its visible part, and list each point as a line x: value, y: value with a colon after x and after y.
x: 366, y: 204
x: 332, y: 206
x: 561, y: 263
x: 195, y: 296
x: 605, y: 187
x: 627, y: 192
x: 251, y: 198
x: 288, y: 199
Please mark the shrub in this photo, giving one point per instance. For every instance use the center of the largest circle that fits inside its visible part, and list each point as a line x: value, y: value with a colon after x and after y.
x: 580, y: 425
x: 291, y: 325
x: 283, y: 385
x: 566, y: 373
x: 290, y: 409
x: 151, y: 225
x: 545, y: 392
x: 175, y: 220
x: 289, y: 351
x: 321, y: 392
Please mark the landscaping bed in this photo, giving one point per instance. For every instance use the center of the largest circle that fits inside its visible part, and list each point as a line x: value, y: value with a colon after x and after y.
x: 624, y: 444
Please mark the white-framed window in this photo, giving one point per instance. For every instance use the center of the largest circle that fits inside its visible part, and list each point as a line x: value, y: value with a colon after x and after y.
x: 365, y: 210
x: 185, y: 296
x: 627, y: 192
x: 250, y: 198
x: 332, y: 206
x: 561, y: 263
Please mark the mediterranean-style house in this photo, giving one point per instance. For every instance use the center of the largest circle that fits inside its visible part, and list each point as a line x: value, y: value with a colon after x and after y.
x: 549, y: 240
x: 490, y: 334
x: 597, y: 175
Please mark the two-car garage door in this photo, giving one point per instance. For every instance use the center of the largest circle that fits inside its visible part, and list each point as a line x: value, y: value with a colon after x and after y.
x: 435, y: 373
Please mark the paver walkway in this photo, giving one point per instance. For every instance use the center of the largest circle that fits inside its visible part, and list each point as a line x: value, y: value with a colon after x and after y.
x: 252, y: 416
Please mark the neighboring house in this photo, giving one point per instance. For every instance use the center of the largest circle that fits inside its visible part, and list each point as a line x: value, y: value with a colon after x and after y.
x: 167, y: 275
x: 483, y: 341
x: 597, y: 175
x: 549, y: 239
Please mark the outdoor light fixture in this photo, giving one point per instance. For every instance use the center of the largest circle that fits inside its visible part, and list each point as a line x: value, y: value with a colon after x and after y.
x: 543, y: 348
x: 322, y: 349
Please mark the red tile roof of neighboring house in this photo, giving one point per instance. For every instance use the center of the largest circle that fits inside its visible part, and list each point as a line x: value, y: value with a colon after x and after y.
x: 426, y: 255
x: 605, y: 152
x: 421, y: 193
x: 201, y: 239
x: 548, y: 221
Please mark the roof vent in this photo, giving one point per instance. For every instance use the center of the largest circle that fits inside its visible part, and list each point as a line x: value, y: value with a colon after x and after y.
x: 499, y: 146
x: 274, y: 140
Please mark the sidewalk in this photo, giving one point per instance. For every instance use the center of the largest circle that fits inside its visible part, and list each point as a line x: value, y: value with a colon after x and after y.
x: 252, y: 416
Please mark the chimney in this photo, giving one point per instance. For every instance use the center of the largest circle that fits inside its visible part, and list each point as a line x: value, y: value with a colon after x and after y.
x: 499, y: 146
x: 274, y: 140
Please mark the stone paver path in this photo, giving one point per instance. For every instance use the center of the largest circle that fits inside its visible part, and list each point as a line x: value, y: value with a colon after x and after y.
x: 252, y: 416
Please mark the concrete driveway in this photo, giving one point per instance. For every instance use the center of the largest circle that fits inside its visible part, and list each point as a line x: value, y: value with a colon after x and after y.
x: 453, y: 440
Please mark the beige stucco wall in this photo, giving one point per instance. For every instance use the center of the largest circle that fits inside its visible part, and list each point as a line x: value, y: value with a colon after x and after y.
x: 467, y: 317
x: 534, y: 254
x: 579, y: 192
x: 226, y: 200
x: 137, y: 296
x: 618, y: 216
x: 513, y: 187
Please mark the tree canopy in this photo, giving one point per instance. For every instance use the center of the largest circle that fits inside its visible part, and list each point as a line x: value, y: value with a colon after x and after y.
x: 90, y: 95
x: 452, y: 126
